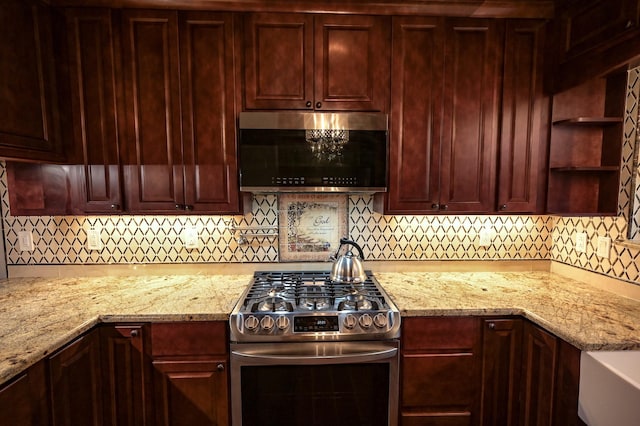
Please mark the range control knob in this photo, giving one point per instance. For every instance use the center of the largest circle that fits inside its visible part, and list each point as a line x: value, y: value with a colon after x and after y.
x: 365, y: 321
x: 282, y: 322
x: 267, y: 323
x: 350, y: 321
x: 251, y: 323
x: 380, y: 320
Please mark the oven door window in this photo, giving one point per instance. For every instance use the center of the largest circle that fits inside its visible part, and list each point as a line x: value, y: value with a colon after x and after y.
x: 315, y: 395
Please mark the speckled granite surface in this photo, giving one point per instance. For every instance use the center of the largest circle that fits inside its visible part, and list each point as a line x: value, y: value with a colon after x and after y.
x: 40, y: 315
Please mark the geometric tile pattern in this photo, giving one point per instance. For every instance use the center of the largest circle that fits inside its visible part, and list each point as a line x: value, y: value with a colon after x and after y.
x: 450, y: 237
x: 623, y: 261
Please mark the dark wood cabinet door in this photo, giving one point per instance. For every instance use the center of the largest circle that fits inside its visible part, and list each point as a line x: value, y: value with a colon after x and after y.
x: 93, y: 101
x: 278, y: 61
x: 473, y: 69
x: 29, y: 119
x: 538, y: 376
x: 124, y: 373
x: 440, y: 372
x: 208, y: 112
x: 191, y: 392
x: 153, y: 171
x: 75, y: 385
x: 352, y: 55
x: 525, y: 112
x: 37, y: 189
x: 24, y: 401
x: 501, y: 363
x: 416, y: 115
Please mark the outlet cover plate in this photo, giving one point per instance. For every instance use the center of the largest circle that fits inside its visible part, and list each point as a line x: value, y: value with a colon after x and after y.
x: 604, y: 246
x: 25, y: 241
x: 94, y: 242
x: 190, y: 237
x: 581, y: 242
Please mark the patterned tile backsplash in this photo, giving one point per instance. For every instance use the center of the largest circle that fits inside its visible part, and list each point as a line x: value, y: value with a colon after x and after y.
x: 159, y: 239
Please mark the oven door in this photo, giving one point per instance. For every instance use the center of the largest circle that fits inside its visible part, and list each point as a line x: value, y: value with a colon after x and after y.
x: 315, y: 383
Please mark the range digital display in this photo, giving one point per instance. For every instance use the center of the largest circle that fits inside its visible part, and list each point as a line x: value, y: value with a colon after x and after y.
x: 315, y: 324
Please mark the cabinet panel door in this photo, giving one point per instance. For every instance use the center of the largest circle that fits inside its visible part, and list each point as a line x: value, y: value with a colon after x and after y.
x: 208, y: 123
x: 278, y: 54
x: 524, y: 118
x: 352, y: 55
x: 153, y: 171
x: 124, y: 374
x: 191, y: 393
x: 501, y: 363
x: 76, y: 393
x: 416, y: 114
x: 470, y: 124
x: 24, y: 402
x: 29, y: 121
x: 93, y: 101
x: 538, y: 375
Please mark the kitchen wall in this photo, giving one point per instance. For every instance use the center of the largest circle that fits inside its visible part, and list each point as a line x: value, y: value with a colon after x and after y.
x: 62, y: 240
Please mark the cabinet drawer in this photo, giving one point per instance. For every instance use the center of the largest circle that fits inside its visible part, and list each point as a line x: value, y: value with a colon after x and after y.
x: 189, y: 338
x: 440, y: 334
x: 435, y: 380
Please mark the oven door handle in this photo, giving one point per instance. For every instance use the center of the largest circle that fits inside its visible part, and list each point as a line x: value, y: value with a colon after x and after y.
x: 313, y: 353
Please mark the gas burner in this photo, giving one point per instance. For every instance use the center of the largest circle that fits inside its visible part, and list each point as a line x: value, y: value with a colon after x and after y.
x: 315, y: 303
x: 274, y: 304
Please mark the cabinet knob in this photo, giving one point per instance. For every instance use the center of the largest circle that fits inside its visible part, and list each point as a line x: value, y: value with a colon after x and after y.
x: 220, y: 367
x: 444, y: 207
x: 134, y: 333
x: 629, y: 24
x: 309, y: 104
x: 115, y: 206
x: 503, y: 207
x: 178, y: 207
x: 492, y: 325
x: 435, y: 206
x: 318, y: 104
x: 188, y: 207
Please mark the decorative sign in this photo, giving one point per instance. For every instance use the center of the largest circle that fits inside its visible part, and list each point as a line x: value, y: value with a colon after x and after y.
x: 311, y: 226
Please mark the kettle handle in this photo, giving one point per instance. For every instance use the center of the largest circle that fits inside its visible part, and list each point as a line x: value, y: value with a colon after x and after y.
x: 345, y: 240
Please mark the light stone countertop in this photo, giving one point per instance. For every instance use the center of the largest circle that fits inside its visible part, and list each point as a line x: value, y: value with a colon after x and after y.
x: 40, y: 315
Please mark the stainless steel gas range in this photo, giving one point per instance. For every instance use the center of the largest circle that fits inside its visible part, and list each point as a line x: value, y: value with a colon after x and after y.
x: 324, y: 352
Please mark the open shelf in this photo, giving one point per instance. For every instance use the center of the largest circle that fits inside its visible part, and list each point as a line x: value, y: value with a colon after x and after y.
x: 585, y: 148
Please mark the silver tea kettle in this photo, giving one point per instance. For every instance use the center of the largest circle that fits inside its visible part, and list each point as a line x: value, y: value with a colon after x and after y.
x: 348, y: 268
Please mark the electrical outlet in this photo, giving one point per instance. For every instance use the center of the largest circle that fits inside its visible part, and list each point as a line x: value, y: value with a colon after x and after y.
x: 486, y: 235
x: 581, y: 242
x: 190, y: 237
x: 25, y: 241
x: 94, y: 242
x: 604, y: 246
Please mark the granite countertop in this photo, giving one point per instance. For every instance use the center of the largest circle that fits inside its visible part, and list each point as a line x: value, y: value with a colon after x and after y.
x: 40, y: 315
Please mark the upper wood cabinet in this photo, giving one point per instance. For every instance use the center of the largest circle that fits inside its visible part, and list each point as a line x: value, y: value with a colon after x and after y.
x: 92, y: 74
x: 180, y: 128
x: 446, y: 76
x: 590, y: 39
x: 322, y: 62
x: 524, y: 120
x: 29, y: 117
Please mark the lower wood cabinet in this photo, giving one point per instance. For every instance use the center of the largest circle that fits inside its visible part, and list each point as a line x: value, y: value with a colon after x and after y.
x: 125, y: 375
x: 459, y: 371
x: 75, y: 383
x: 24, y: 401
x: 190, y: 379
